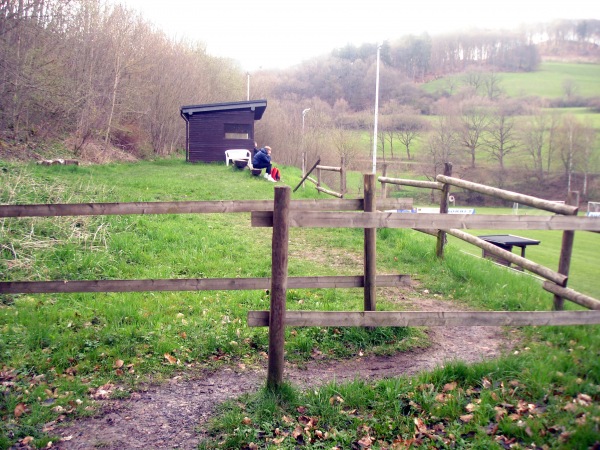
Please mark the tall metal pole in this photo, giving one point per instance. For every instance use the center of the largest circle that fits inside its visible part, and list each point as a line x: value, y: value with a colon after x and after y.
x: 303, y: 148
x: 248, y: 88
x: 376, y: 113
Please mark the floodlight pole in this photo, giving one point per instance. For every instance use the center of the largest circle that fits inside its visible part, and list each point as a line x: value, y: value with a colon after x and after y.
x: 303, y: 149
x: 248, y: 86
x: 376, y: 113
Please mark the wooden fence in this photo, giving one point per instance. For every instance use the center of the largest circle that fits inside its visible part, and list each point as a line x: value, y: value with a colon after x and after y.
x: 557, y: 280
x: 283, y: 213
x: 196, y: 284
x: 277, y: 317
x: 318, y: 182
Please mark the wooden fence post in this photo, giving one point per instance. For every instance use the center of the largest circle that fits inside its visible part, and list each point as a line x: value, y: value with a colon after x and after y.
x: 343, y: 176
x: 441, y: 235
x: 370, y: 244
x: 318, y: 177
x: 279, y: 275
x: 566, y: 250
x: 384, y: 185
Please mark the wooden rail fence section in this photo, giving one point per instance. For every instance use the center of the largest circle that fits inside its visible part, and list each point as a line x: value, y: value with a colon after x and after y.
x: 278, y: 318
x: 203, y: 207
x: 426, y: 318
x: 563, y: 222
x: 192, y: 284
x: 282, y: 213
x: 341, y: 170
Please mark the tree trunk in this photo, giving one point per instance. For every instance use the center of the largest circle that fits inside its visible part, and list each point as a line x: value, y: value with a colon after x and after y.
x: 114, y: 101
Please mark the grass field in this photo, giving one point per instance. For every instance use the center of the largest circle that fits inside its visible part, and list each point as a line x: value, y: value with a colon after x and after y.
x: 547, y: 82
x: 54, y: 349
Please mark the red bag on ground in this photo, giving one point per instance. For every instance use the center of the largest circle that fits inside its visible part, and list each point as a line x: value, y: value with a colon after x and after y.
x: 275, y: 174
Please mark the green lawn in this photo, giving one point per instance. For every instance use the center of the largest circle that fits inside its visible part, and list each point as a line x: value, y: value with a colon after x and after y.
x: 547, y: 82
x: 55, y: 348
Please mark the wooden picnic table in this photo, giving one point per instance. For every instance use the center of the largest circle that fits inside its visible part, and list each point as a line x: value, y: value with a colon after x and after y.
x: 507, y: 242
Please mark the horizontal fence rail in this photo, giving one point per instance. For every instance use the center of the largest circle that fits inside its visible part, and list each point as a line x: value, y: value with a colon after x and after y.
x: 538, y: 269
x: 413, y: 183
x: 195, y: 284
x: 574, y: 296
x: 428, y: 221
x: 329, y: 168
x: 207, y: 207
x: 427, y: 318
x: 536, y: 202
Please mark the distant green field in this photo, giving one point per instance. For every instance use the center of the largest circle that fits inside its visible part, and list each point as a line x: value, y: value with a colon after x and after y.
x: 547, y: 82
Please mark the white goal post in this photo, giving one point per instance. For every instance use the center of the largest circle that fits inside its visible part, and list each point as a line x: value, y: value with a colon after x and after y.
x: 593, y: 209
x: 518, y: 208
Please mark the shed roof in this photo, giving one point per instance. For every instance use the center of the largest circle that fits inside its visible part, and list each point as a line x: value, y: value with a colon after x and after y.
x: 258, y: 106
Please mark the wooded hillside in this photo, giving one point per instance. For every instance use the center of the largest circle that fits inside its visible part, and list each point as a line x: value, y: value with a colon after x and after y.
x: 83, y: 71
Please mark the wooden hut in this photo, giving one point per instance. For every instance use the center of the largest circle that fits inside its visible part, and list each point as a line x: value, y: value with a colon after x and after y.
x: 211, y: 129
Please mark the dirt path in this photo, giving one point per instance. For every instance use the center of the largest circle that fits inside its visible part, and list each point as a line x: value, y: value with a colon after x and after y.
x: 171, y: 415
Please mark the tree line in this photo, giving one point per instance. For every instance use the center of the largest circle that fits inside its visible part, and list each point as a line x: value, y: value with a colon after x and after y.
x: 86, y: 71
x: 93, y: 71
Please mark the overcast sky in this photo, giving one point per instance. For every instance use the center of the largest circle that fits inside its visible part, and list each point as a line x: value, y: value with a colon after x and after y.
x: 281, y: 33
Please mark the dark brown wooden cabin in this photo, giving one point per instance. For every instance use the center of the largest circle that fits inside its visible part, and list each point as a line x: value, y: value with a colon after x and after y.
x: 212, y: 129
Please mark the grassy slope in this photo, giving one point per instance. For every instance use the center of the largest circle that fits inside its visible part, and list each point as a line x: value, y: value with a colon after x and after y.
x: 547, y: 82
x: 55, y: 347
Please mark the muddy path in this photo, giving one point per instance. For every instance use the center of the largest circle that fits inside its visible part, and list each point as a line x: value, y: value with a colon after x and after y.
x: 173, y: 414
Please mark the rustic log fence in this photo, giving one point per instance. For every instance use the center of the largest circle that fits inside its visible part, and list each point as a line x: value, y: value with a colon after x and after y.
x: 282, y: 213
x: 557, y: 278
x: 318, y: 182
x: 277, y: 318
x: 188, y: 207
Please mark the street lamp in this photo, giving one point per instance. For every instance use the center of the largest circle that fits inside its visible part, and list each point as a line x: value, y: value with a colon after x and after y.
x: 303, y: 150
x: 376, y: 113
x: 303, y: 114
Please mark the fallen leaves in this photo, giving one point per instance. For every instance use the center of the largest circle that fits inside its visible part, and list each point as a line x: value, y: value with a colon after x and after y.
x: 20, y: 409
x: 466, y: 418
x: 104, y: 392
x: 171, y: 359
x: 336, y: 400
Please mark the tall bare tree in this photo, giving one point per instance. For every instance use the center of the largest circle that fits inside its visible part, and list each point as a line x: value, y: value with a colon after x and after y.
x: 471, y: 125
x: 575, y: 140
x: 533, y: 138
x: 501, y: 137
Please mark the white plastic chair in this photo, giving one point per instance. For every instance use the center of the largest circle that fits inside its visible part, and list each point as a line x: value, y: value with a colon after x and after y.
x: 237, y: 153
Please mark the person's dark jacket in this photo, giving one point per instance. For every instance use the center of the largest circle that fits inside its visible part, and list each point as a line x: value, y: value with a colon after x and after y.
x: 261, y: 159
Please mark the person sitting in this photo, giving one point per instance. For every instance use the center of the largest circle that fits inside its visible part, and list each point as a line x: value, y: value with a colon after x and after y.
x: 262, y: 160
